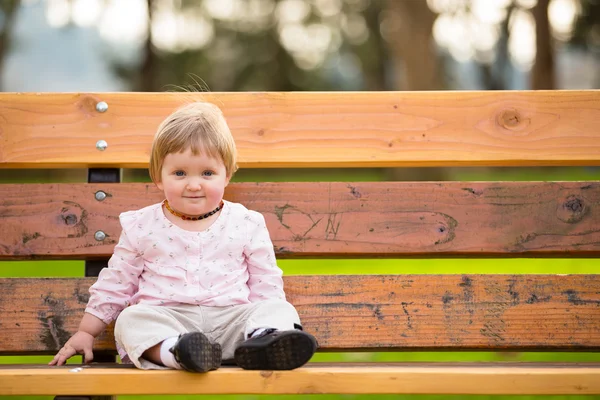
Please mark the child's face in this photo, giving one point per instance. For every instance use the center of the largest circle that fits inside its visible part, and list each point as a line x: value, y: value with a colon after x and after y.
x: 193, y: 185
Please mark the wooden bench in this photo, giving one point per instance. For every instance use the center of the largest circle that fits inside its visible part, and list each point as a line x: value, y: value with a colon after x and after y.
x: 347, y: 313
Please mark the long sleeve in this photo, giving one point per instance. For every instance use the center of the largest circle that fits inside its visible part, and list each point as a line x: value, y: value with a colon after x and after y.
x: 265, y: 277
x: 116, y: 284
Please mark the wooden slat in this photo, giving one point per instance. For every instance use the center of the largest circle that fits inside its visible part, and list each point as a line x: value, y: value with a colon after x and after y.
x: 382, y: 312
x: 385, y: 219
x: 495, y: 128
x: 401, y: 378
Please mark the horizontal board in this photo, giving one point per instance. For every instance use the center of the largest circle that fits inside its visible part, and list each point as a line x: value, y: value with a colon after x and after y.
x: 384, y: 219
x: 362, y: 312
x: 313, y: 129
x: 400, y: 378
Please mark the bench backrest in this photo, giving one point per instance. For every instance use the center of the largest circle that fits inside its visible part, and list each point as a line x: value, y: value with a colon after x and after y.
x: 331, y: 219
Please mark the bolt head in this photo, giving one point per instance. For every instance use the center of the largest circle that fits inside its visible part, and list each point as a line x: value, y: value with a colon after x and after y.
x: 100, y: 195
x: 102, y: 107
x: 101, y: 145
x: 99, y: 236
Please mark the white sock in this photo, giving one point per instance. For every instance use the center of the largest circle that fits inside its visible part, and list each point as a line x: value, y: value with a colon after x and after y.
x: 257, y: 332
x: 168, y: 358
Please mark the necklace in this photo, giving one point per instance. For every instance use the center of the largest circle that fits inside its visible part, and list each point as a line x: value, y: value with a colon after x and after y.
x: 187, y: 217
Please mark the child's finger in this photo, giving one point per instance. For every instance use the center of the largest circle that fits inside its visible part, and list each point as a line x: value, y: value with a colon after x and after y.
x: 55, y: 360
x: 88, y: 356
x: 62, y: 359
x: 64, y: 354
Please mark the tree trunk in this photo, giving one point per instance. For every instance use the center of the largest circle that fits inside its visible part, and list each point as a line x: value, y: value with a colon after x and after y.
x: 542, y: 73
x: 376, y: 62
x: 494, y: 75
x: 8, y: 8
x: 148, y: 79
x: 412, y: 45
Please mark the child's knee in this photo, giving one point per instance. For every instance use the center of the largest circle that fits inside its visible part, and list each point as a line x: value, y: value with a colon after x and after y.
x: 281, y: 305
x: 128, y: 316
x: 278, y: 314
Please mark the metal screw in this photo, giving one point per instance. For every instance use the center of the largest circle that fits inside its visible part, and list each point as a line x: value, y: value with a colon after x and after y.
x: 99, y: 236
x: 102, y: 107
x: 101, y: 145
x: 100, y: 195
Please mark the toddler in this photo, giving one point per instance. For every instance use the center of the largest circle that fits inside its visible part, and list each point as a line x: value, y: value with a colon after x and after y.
x: 193, y: 280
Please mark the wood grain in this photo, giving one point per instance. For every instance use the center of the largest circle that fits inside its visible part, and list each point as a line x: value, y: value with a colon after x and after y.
x: 385, y: 219
x: 400, y: 378
x: 382, y: 312
x: 312, y: 129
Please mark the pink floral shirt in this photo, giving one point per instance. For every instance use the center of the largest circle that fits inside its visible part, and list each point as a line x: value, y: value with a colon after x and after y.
x: 158, y: 263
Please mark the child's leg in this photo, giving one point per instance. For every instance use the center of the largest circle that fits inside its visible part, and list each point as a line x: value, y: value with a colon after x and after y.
x: 274, y: 339
x: 153, y: 354
x: 278, y: 323
x: 140, y: 328
x: 276, y: 314
x: 143, y: 331
x: 160, y: 355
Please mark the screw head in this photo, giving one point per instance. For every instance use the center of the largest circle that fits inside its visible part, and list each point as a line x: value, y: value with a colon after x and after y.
x: 100, y: 195
x: 99, y: 236
x: 102, y: 107
x: 101, y: 145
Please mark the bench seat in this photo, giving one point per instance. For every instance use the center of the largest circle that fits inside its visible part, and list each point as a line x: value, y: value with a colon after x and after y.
x: 358, y: 378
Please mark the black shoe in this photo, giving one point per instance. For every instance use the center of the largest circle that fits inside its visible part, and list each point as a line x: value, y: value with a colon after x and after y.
x: 195, y: 353
x: 276, y: 350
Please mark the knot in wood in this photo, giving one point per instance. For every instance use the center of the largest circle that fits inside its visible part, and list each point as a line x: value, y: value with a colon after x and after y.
x: 575, y: 205
x: 572, y: 209
x: 511, y: 120
x: 70, y: 219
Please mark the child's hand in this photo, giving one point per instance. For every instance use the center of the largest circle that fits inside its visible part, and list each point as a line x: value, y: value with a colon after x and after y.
x: 80, y: 343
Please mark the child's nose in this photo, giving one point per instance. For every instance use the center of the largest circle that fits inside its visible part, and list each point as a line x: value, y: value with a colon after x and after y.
x: 194, y: 184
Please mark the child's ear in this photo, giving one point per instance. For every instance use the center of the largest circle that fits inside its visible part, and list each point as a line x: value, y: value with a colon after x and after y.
x: 227, y: 179
x: 159, y: 185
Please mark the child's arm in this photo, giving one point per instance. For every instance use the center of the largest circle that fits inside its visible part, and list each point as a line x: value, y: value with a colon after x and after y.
x: 109, y: 296
x: 91, y: 325
x: 265, y: 280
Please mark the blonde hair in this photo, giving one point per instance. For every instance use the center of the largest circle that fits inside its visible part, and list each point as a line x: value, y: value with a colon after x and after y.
x: 198, y: 126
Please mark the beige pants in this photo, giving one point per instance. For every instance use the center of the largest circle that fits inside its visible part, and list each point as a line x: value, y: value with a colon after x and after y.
x: 141, y: 327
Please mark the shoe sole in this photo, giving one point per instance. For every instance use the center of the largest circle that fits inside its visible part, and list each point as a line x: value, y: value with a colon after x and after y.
x: 198, y: 354
x: 289, y: 350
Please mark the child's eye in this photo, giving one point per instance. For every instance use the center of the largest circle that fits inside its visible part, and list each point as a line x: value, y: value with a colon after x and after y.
x: 179, y: 173
x: 208, y: 173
